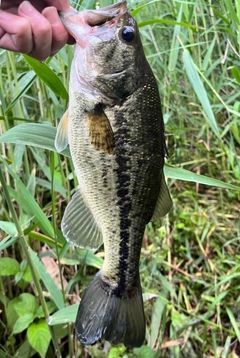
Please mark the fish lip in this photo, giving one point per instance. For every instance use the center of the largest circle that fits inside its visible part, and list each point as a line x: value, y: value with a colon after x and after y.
x: 108, y: 12
x: 81, y: 23
x: 122, y: 4
x: 67, y: 13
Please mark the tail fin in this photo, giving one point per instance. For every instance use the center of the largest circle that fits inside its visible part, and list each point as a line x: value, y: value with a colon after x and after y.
x: 103, y: 315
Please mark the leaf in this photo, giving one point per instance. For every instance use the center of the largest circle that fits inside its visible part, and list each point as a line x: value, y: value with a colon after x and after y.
x: 158, y: 311
x: 45, y: 239
x: 32, y: 182
x: 234, y: 323
x: 55, y: 293
x: 236, y: 73
x: 144, y: 352
x: 32, y: 208
x: 26, y: 303
x: 200, y: 91
x: 23, y: 322
x: 27, y: 275
x: 8, y: 241
x: 18, y: 156
x: 87, y: 4
x: 39, y: 336
x: 8, y: 266
x: 175, y: 43
x: 47, y: 76
x: 46, y: 170
x: 168, y: 22
x: 136, y: 10
x: 18, y: 277
x: 8, y: 227
x: 25, y: 350
x: 27, y: 81
x: 183, y: 174
x: 33, y: 134
x: 91, y: 259
x: 232, y: 12
x: 65, y: 315
x: 11, y: 313
x: 117, y: 352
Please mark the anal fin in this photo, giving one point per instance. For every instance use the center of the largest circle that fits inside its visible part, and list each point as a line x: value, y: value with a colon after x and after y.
x: 79, y: 226
x: 164, y: 202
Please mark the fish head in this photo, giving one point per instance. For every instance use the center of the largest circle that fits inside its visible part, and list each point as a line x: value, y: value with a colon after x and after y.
x: 109, y: 52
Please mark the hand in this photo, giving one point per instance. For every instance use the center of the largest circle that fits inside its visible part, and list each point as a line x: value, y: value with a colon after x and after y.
x: 33, y: 27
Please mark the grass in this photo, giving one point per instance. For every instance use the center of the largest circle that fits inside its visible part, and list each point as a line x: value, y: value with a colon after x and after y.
x: 190, y: 262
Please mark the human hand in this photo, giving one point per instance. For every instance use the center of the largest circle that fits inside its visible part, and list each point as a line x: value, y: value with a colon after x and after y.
x: 33, y: 27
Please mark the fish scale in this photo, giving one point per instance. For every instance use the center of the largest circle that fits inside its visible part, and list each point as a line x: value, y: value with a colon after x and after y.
x: 115, y: 131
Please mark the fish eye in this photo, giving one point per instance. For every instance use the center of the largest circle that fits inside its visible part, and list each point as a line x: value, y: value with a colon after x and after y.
x: 128, y: 34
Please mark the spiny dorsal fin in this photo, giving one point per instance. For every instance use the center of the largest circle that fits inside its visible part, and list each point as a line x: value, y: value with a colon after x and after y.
x: 100, y: 130
x: 61, y: 140
x: 79, y: 226
x: 164, y: 202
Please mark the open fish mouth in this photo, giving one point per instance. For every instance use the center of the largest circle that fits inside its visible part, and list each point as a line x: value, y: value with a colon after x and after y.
x: 101, y: 16
x: 95, y: 17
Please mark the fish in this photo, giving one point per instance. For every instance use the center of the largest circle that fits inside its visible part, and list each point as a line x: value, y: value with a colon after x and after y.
x: 115, y: 131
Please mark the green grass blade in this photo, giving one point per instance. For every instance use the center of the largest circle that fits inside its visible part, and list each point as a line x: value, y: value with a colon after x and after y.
x: 200, y: 91
x: 28, y: 79
x: 35, y: 209
x: 234, y: 323
x: 47, y: 76
x: 232, y: 12
x: 175, y: 43
x: 167, y: 22
x: 33, y: 134
x: 87, y: 4
x: 49, y: 283
x: 183, y: 174
x: 9, y: 228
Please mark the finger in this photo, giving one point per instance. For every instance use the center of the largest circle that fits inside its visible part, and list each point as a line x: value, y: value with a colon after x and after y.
x: 59, y: 32
x: 41, y: 31
x: 15, y: 33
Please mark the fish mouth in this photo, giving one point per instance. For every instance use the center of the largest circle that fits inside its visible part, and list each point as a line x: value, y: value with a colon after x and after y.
x: 105, y: 14
x: 92, y: 18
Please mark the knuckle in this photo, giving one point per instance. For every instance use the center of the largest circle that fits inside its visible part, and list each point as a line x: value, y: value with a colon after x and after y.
x: 45, y: 28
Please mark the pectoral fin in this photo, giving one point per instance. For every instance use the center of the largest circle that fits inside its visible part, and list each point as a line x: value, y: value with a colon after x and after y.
x: 164, y: 202
x: 100, y: 131
x: 61, y: 140
x: 79, y: 227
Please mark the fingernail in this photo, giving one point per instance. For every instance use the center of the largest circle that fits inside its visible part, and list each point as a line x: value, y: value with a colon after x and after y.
x: 26, y: 8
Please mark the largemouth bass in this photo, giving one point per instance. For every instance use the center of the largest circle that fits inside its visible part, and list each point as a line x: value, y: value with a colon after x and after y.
x: 115, y: 131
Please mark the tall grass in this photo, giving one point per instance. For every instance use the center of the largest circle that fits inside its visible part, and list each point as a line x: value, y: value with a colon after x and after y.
x: 190, y: 262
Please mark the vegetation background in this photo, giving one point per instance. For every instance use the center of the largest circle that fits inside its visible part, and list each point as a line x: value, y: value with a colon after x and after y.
x: 190, y: 262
